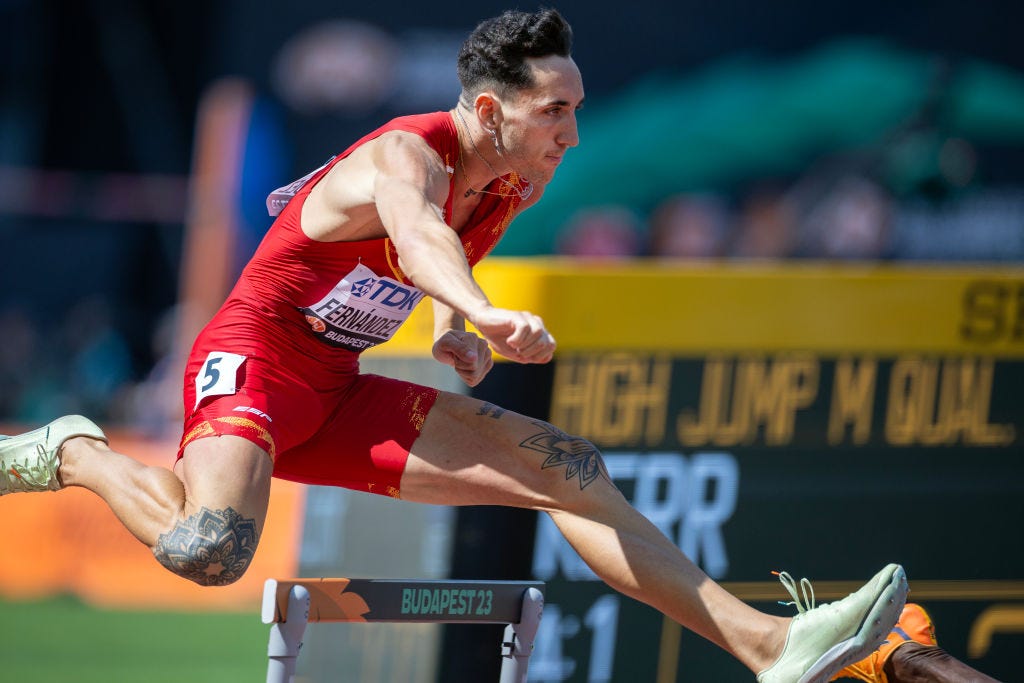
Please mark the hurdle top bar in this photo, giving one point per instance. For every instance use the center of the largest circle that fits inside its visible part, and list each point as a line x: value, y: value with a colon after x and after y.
x: 401, y: 600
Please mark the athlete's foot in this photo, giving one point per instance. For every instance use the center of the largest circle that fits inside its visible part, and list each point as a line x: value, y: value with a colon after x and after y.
x: 30, y: 461
x: 823, y: 639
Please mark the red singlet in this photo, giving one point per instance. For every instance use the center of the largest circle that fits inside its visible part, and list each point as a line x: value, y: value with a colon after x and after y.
x: 279, y: 363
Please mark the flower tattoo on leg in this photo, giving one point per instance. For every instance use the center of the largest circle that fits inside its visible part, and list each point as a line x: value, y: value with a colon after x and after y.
x: 580, y: 458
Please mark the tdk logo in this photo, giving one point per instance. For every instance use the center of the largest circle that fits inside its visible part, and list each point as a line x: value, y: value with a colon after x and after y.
x: 361, y: 287
x: 387, y: 293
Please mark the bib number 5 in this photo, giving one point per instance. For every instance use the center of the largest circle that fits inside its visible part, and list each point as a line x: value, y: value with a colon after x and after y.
x: 218, y: 376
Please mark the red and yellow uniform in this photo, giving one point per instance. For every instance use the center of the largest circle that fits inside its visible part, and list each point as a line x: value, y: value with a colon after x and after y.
x: 279, y: 363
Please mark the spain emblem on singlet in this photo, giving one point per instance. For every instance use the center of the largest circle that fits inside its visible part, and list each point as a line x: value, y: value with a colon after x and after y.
x: 361, y: 311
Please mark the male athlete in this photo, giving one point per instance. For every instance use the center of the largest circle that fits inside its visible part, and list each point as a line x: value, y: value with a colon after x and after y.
x: 273, y: 387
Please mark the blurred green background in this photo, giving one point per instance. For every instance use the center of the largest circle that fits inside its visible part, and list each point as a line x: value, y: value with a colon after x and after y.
x: 63, y: 640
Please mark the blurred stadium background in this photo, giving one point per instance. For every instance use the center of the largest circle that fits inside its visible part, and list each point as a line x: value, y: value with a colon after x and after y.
x: 729, y: 147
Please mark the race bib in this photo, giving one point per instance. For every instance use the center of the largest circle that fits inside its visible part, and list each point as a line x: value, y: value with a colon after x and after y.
x: 363, y: 310
x: 218, y: 376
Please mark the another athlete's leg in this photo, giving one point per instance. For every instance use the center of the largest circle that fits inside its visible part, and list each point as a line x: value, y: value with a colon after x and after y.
x: 917, y: 663
x: 202, y: 521
x: 472, y: 454
x: 911, y: 654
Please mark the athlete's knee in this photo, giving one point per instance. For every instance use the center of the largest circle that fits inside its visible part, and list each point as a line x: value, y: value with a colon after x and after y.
x: 210, y: 547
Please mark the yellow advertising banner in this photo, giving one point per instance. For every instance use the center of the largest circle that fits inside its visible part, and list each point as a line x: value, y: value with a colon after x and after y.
x: 693, y: 308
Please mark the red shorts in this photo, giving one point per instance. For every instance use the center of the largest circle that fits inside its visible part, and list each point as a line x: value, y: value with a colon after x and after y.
x: 350, y: 429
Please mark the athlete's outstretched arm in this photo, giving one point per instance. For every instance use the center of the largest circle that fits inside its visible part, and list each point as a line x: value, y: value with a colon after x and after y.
x: 409, y: 188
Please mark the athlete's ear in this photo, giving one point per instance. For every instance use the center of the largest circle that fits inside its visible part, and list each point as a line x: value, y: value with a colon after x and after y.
x: 488, y: 110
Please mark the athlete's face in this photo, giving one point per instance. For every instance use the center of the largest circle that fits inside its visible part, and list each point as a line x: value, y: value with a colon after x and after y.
x: 538, y: 125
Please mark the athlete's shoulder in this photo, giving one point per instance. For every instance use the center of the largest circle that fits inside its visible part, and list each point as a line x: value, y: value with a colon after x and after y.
x: 437, y: 128
x: 425, y: 122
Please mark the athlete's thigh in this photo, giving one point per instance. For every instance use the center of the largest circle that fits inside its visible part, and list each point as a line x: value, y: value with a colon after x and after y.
x: 364, y: 443
x: 226, y: 476
x: 227, y: 490
x: 470, y: 452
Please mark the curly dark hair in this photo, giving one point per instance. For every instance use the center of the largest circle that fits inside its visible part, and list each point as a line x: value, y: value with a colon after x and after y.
x: 494, y: 54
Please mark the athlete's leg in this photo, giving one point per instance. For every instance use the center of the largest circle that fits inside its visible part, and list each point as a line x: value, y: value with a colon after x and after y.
x: 917, y: 663
x: 471, y: 453
x: 202, y: 521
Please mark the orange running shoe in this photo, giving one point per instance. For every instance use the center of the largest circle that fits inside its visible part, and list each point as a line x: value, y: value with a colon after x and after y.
x: 914, y: 626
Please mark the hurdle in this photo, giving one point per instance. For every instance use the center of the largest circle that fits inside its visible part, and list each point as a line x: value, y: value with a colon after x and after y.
x: 289, y: 605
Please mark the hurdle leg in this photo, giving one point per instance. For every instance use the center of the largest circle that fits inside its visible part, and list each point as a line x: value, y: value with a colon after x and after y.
x: 286, y: 638
x: 517, y: 644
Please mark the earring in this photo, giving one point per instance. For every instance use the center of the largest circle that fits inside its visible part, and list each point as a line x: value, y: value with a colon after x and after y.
x: 494, y: 137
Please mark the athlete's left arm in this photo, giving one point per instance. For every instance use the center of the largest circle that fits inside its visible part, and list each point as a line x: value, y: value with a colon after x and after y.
x: 446, y: 319
x: 467, y: 352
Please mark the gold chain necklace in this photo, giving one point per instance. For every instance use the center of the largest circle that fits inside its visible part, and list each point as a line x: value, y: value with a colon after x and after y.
x: 523, y: 193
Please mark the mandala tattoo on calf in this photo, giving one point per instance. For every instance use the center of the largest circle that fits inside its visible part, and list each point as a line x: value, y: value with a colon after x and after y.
x: 579, y: 457
x: 211, y: 547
